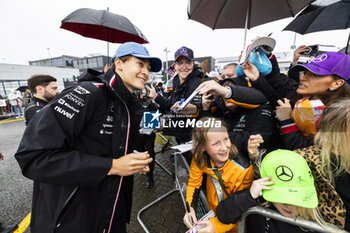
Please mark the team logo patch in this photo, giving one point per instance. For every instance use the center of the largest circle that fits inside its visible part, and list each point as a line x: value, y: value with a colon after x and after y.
x: 152, y: 120
x: 81, y: 90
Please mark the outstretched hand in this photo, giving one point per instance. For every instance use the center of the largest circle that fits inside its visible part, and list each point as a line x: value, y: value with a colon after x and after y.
x: 298, y: 53
x: 206, y: 101
x: 254, y: 142
x: 193, y: 216
x: 284, y: 110
x: 190, y: 109
x: 251, y: 71
x: 212, y: 88
x: 131, y: 164
x: 152, y: 93
x: 205, y: 226
x: 259, y: 185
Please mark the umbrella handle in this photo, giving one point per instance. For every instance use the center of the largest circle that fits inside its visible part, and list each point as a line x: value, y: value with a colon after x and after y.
x: 347, y: 45
x: 246, y: 24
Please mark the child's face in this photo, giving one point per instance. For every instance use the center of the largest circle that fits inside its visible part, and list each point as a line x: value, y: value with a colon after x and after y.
x: 218, y: 145
x: 284, y: 209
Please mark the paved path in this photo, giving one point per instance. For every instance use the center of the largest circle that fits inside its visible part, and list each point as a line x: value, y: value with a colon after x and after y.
x: 166, y: 215
x: 16, y: 190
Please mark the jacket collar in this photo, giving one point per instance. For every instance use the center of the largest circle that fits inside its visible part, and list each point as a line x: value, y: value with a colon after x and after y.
x: 211, y: 165
x: 41, y: 101
x: 115, y: 84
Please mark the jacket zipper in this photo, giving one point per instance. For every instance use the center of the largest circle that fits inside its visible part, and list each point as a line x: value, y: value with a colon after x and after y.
x: 121, y: 177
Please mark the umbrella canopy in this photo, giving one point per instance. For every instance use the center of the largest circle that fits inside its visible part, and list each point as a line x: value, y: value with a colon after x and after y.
x: 317, y: 18
x: 103, y: 25
x: 233, y: 13
x: 242, y: 13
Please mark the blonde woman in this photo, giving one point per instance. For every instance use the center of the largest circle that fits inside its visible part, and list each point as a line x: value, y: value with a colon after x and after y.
x: 331, y: 158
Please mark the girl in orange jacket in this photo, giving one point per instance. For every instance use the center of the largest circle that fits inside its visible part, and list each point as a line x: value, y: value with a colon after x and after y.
x: 215, y: 156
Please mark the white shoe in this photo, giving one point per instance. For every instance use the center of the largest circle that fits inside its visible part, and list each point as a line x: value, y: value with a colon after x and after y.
x: 17, y: 117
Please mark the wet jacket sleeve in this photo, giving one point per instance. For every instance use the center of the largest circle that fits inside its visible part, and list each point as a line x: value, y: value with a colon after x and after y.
x: 192, y: 86
x: 292, y: 138
x: 48, y: 153
x: 284, y: 86
x: 230, y: 210
x: 194, y: 184
x: 264, y: 86
x: 246, y: 97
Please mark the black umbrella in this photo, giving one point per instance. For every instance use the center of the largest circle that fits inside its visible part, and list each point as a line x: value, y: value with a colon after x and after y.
x: 242, y: 13
x: 317, y: 18
x: 22, y: 88
x: 103, y: 25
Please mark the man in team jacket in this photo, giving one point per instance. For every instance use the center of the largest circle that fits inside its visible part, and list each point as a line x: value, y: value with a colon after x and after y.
x: 79, y: 149
x: 44, y: 88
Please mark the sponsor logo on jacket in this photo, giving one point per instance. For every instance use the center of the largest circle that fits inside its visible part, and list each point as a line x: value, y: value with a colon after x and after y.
x: 63, y: 102
x: 107, y: 125
x: 81, y: 90
x: 75, y: 99
x: 64, y: 112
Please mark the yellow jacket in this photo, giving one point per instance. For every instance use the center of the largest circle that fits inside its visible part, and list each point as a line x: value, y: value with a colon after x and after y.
x: 235, y: 178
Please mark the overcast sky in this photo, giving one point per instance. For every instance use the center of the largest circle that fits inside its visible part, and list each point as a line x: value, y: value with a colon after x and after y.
x: 29, y: 27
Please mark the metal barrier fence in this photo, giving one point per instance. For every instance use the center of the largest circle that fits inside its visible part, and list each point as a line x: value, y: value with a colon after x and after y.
x: 181, y: 179
x: 310, y: 225
x: 182, y: 170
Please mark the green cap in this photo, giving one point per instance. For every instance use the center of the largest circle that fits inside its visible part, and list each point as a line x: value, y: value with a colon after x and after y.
x: 294, y: 183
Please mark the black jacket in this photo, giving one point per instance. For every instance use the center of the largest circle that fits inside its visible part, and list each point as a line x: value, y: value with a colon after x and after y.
x: 245, y: 122
x: 342, y: 186
x: 261, y: 224
x: 230, y: 211
x: 255, y: 118
x: 33, y: 107
x: 275, y: 85
x: 67, y: 149
x: 291, y: 138
x: 183, y: 90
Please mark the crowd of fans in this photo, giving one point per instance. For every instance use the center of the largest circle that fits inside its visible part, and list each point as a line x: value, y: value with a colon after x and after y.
x: 266, y: 115
x: 280, y: 140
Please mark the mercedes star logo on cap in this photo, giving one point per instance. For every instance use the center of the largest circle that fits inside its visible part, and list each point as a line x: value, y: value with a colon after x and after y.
x: 284, y: 173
